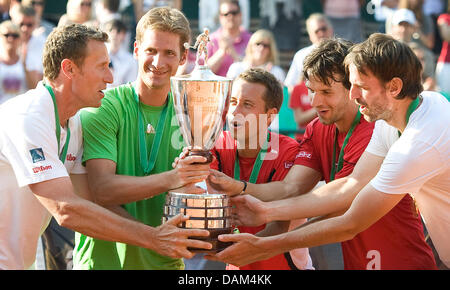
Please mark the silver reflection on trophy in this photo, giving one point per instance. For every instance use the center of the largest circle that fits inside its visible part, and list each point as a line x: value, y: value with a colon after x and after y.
x: 201, y: 101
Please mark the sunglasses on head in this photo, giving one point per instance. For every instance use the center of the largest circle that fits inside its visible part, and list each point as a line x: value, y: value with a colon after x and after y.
x: 13, y: 35
x: 234, y: 13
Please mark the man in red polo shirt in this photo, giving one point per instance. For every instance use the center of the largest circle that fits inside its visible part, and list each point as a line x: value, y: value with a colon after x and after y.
x: 331, y: 146
x: 250, y: 153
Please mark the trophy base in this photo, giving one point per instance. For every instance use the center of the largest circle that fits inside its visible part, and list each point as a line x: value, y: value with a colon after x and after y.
x: 217, y: 245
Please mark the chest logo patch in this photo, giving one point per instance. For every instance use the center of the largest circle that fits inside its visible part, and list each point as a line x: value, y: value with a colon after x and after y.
x: 37, y: 155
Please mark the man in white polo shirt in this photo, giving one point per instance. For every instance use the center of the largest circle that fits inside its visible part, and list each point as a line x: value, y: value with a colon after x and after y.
x: 41, y: 144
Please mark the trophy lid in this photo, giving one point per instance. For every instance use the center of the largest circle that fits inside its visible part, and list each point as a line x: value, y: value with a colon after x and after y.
x: 201, y: 73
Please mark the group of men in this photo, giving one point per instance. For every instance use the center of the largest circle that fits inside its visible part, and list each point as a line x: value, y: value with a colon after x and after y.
x: 99, y: 171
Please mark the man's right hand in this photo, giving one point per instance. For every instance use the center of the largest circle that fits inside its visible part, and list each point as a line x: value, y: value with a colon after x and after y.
x: 173, y: 241
x: 222, y: 183
x: 249, y: 211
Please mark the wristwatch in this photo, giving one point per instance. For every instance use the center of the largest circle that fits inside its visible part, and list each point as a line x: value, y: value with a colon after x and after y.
x: 245, y: 187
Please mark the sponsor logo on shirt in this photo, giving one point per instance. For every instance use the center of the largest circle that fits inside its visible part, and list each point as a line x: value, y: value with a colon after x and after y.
x: 41, y: 168
x: 303, y: 154
x: 71, y: 157
x: 37, y: 155
x: 288, y: 164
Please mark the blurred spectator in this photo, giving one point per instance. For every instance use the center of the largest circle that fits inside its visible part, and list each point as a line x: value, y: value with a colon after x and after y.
x: 443, y: 64
x: 402, y: 28
x: 300, y: 103
x: 428, y: 81
x: 43, y: 26
x: 318, y: 28
x: 434, y: 8
x: 424, y: 27
x: 208, y: 14
x: 12, y: 71
x: 4, y: 10
x: 383, y: 10
x: 282, y: 17
x: 124, y: 65
x: 32, y: 46
x: 106, y: 10
x: 77, y: 11
x: 261, y: 52
x: 142, y: 6
x: 228, y: 43
x: 345, y: 17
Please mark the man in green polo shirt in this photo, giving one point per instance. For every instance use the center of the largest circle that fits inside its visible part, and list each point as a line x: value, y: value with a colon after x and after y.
x: 130, y: 144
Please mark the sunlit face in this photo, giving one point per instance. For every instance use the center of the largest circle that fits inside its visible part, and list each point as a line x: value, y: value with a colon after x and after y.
x: 230, y: 16
x: 26, y: 25
x: 159, y: 55
x: 93, y: 75
x: 247, y: 114
x: 403, y: 31
x: 318, y: 30
x: 329, y: 101
x: 9, y: 39
x: 370, y: 95
x: 260, y: 50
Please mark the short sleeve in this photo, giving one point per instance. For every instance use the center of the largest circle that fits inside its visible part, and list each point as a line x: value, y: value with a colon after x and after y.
x: 407, y: 166
x: 32, y: 150
x: 100, y: 126
x: 307, y: 154
x: 382, y: 138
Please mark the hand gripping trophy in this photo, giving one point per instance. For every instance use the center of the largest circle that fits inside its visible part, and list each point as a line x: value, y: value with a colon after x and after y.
x: 201, y: 101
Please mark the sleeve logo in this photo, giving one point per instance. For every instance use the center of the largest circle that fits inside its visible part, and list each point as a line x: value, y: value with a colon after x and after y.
x: 37, y: 155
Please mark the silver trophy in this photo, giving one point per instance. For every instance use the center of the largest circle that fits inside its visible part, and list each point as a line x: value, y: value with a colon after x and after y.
x: 201, y: 101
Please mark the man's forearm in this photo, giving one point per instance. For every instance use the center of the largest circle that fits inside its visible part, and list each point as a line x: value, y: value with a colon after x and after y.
x: 275, y: 190
x: 123, y: 189
x: 333, y: 197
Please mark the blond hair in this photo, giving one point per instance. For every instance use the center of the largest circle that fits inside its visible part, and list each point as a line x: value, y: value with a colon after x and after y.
x: 257, y: 36
x: 68, y: 42
x: 165, y: 19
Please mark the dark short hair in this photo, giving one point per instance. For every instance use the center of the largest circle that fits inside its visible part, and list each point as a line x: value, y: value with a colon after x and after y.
x: 114, y: 24
x: 68, y: 42
x: 273, y: 96
x: 326, y: 62
x: 387, y: 58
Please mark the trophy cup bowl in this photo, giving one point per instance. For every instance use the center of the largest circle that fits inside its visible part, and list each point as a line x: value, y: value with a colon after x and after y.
x: 201, y: 101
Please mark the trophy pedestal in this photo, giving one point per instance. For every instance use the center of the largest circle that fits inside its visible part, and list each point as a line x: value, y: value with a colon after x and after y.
x: 211, y: 212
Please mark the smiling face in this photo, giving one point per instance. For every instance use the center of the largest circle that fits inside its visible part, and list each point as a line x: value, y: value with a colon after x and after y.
x: 330, y: 101
x: 92, y: 75
x: 248, y: 115
x: 159, y: 56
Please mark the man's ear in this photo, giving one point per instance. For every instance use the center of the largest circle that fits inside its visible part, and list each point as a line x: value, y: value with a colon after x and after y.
x: 135, y: 49
x: 68, y: 68
x: 183, y: 58
x: 271, y: 115
x: 394, y: 87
